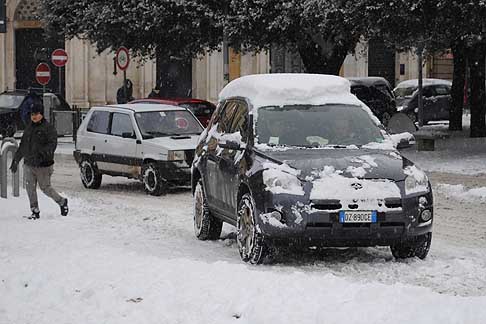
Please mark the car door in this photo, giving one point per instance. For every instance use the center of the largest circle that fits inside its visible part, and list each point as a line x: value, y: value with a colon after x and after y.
x: 443, y: 95
x: 232, y: 163
x: 121, y: 155
x: 94, y: 140
x: 214, y: 179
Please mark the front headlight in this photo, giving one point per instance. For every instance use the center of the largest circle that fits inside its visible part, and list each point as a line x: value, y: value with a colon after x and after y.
x: 416, y: 181
x: 282, y: 180
x: 176, y: 156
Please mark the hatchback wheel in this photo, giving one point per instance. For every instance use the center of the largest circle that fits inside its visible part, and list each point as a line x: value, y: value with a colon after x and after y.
x: 250, y: 240
x: 152, y: 180
x: 90, y: 175
x: 418, y: 247
x: 206, y: 226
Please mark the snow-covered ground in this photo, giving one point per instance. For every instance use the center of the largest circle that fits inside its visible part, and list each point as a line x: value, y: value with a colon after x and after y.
x: 124, y: 257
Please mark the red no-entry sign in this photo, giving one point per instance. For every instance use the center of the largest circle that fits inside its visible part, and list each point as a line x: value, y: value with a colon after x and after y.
x: 43, y: 74
x: 59, y: 57
x: 122, y: 58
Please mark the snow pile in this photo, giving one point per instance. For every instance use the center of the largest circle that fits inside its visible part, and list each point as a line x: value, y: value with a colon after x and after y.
x: 369, y: 194
x: 459, y: 192
x: 397, y: 138
x: 282, y: 179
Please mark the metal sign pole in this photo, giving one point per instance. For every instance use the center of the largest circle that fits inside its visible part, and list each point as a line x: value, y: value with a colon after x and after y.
x: 60, y: 80
x: 420, y: 87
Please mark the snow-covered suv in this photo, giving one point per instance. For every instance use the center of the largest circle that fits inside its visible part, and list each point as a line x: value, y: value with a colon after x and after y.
x: 298, y: 158
x: 152, y: 143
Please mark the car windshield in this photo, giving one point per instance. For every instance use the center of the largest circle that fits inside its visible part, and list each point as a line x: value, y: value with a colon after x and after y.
x: 167, y: 123
x: 198, y: 108
x: 316, y: 126
x: 10, y: 101
x: 404, y: 92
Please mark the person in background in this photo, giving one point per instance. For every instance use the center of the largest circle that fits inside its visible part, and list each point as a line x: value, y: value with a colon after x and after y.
x: 125, y: 92
x: 155, y: 93
x: 25, y: 108
x: 37, y: 147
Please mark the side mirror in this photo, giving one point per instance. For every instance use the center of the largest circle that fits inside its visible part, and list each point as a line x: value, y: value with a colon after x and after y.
x: 128, y: 135
x: 403, y: 140
x: 404, y: 143
x: 230, y: 145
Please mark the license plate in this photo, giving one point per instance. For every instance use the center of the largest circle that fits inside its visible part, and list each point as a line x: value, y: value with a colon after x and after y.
x: 346, y: 216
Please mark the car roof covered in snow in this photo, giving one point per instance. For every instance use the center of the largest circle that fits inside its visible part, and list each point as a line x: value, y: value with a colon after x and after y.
x: 146, y: 107
x: 290, y: 89
x: 414, y: 83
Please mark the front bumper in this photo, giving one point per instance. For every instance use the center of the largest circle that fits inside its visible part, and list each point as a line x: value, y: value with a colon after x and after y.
x: 306, y: 225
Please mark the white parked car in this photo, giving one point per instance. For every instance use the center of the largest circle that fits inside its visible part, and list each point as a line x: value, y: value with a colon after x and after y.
x: 152, y: 143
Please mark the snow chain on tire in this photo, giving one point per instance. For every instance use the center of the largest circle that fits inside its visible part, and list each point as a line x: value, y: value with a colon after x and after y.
x: 418, y: 247
x: 206, y: 226
x: 255, y: 250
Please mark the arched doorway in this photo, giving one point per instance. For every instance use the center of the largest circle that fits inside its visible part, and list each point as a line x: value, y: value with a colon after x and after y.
x: 32, y: 47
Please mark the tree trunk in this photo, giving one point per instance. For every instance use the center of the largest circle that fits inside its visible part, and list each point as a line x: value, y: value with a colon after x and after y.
x: 316, y: 62
x: 459, y: 78
x: 477, y: 61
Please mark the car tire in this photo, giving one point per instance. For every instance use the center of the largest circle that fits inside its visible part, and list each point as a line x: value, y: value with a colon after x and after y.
x: 90, y: 175
x: 206, y: 226
x: 418, y: 247
x: 251, y: 243
x: 152, y: 180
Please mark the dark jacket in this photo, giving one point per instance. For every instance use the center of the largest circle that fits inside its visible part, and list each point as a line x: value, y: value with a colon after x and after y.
x: 38, y: 145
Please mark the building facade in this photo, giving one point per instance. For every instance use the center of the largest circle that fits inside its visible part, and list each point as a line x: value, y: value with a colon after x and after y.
x: 88, y: 78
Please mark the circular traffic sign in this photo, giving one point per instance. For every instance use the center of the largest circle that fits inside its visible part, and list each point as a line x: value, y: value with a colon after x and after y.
x: 43, y: 74
x: 59, y: 57
x: 122, y: 58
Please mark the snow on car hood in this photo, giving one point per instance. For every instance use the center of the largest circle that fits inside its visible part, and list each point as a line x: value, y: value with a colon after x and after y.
x: 350, y: 163
x: 174, y: 143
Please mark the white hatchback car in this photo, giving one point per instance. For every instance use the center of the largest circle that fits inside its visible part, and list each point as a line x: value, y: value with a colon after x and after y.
x: 152, y: 143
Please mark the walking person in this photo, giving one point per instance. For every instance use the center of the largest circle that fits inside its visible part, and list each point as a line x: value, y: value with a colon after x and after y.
x: 37, y: 147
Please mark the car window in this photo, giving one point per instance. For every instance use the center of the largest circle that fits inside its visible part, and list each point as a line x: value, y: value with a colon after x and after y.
x: 442, y: 90
x: 428, y: 92
x: 167, y: 123
x: 121, y: 123
x: 99, y: 122
x: 199, y: 108
x: 226, y: 118
x: 361, y: 92
x: 9, y: 101
x: 240, y: 120
x: 316, y: 126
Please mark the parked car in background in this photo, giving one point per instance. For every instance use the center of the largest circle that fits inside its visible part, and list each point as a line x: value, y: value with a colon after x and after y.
x: 296, y: 158
x: 200, y: 108
x: 377, y: 94
x: 436, y: 96
x: 10, y: 114
x: 152, y: 143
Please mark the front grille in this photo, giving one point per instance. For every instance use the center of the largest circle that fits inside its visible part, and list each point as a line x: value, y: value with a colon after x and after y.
x: 326, y: 204
x: 393, y: 203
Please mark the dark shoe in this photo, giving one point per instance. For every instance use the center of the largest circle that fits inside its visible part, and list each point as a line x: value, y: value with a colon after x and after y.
x: 35, y: 215
x: 64, y: 207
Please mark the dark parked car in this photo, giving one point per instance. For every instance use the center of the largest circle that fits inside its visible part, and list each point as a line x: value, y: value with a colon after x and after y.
x: 376, y: 93
x: 10, y: 115
x: 298, y: 158
x: 200, y: 108
x: 436, y: 94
